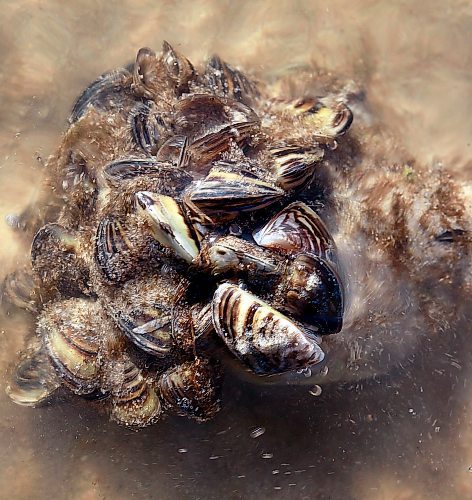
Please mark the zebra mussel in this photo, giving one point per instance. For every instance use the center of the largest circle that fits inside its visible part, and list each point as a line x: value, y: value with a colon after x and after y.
x: 194, y: 241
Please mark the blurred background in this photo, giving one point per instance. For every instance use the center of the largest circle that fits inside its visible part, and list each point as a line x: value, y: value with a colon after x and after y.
x: 383, y: 438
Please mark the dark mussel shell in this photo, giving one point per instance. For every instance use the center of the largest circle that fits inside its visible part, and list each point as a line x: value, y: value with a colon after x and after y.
x: 191, y: 389
x: 225, y: 80
x: 20, y: 290
x: 105, y: 93
x: 74, y: 331
x: 148, y: 127
x: 261, y: 337
x: 113, y: 251
x: 314, y: 294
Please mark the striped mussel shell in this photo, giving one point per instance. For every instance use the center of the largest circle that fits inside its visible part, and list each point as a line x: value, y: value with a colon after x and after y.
x: 113, y: 250
x: 326, y: 116
x: 227, y: 81
x: 261, y: 337
x: 34, y: 380
x: 191, y: 389
x: 148, y: 127
x: 134, y: 400
x: 147, y: 311
x: 71, y: 330
x: 69, y: 275
x: 169, y: 225
x: 297, y: 228
x: 213, y: 124
x: 313, y: 292
x: 294, y: 166
x: 233, y: 255
x: 105, y: 93
x: 226, y: 193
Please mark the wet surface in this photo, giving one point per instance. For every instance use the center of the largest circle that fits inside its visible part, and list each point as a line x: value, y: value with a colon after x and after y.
x: 403, y: 435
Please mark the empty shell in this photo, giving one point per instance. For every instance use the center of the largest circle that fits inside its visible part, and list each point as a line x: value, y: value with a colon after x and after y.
x: 264, y: 339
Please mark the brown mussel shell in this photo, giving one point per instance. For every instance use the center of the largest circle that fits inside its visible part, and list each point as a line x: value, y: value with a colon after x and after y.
x: 20, y: 290
x: 105, y: 93
x: 134, y: 400
x: 69, y: 275
x: 191, y: 390
x: 72, y: 330
x: 148, y: 127
x: 314, y: 294
x: 227, y: 81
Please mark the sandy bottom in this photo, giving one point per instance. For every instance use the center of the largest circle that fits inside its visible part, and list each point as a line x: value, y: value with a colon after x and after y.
x: 403, y: 437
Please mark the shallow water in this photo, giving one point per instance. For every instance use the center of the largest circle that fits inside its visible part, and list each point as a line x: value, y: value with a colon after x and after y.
x: 404, y: 436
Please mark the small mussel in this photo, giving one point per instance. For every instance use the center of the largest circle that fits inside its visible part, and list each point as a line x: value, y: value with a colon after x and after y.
x: 261, y: 337
x: 225, y: 80
x: 69, y: 275
x: 34, y: 381
x: 191, y: 390
x: 72, y: 333
x: 148, y: 127
x: 20, y: 289
x: 134, y: 400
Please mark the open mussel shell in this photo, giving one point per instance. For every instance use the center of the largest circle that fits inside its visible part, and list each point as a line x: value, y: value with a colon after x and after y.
x: 225, y: 80
x: 146, y: 78
x: 224, y: 194
x: 134, y: 401
x: 314, y: 294
x: 293, y: 166
x: 34, y: 380
x: 71, y: 331
x: 169, y: 226
x: 191, y: 390
x: 261, y: 337
x: 297, y: 228
x: 105, y: 93
x: 147, y: 127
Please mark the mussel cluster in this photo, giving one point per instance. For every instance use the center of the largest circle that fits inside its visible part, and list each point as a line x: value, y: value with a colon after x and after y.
x: 173, y: 230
